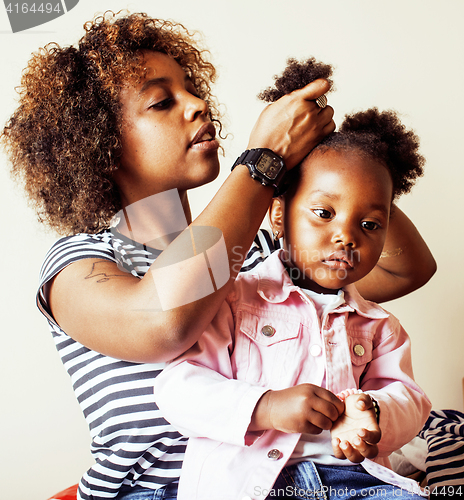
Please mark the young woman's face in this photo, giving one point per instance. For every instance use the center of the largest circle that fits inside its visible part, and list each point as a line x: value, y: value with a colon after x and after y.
x: 168, y: 140
x: 334, y: 226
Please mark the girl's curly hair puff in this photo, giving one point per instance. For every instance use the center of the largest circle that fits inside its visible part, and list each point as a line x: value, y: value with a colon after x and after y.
x: 379, y: 135
x: 295, y: 76
x: 64, y: 139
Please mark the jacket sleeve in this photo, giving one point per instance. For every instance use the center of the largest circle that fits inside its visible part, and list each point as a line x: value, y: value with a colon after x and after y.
x: 197, y: 392
x: 389, y: 379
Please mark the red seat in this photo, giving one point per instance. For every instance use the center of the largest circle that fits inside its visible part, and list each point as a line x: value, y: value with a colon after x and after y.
x: 67, y: 494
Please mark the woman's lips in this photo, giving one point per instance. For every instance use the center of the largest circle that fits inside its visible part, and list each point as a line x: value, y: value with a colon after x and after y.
x: 204, y: 139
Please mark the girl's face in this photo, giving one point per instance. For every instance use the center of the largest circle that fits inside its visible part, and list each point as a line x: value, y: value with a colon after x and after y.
x: 335, y: 224
x: 168, y: 140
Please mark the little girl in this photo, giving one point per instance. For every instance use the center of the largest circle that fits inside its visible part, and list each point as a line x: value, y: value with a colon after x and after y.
x: 123, y: 116
x: 257, y: 394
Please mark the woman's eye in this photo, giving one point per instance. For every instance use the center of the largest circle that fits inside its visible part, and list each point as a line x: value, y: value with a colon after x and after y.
x: 369, y: 225
x: 164, y: 104
x: 322, y: 213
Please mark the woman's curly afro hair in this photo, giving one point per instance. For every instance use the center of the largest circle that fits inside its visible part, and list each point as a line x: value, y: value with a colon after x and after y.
x: 64, y: 139
x: 378, y: 134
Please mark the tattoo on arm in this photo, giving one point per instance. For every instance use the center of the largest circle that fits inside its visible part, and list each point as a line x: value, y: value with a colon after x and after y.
x: 103, y: 276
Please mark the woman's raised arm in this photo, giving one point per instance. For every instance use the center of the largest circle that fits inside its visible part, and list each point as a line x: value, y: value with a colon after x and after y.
x: 405, y: 265
x: 123, y: 316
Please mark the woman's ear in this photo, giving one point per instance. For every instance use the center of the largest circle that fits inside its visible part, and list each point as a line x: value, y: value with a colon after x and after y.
x: 276, y: 217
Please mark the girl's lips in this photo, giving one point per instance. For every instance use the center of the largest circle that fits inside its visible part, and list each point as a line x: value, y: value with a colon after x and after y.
x: 339, y: 260
x: 337, y: 264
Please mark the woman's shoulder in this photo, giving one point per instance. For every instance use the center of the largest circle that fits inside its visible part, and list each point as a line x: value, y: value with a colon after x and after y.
x: 263, y: 246
x: 108, y: 244
x: 77, y: 247
x: 101, y: 238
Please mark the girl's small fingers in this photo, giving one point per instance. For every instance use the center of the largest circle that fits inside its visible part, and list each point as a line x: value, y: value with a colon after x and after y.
x: 364, y: 402
x: 371, y: 437
x: 336, y: 406
x: 338, y: 453
x: 351, y: 453
x: 367, y: 450
x: 320, y: 420
x: 372, y: 451
x: 361, y: 405
x: 312, y: 429
x: 329, y: 407
x: 364, y: 447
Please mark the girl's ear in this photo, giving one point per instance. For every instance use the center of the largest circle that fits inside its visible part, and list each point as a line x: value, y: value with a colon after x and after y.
x: 276, y: 217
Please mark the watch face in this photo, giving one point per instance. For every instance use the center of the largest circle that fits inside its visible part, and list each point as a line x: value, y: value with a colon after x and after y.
x: 268, y: 166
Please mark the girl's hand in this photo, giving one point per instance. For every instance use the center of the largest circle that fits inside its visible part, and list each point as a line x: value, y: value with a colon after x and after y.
x: 304, y: 408
x: 356, y: 433
x: 293, y: 125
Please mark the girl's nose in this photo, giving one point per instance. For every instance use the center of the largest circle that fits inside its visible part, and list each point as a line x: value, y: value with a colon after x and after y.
x: 195, y: 107
x: 344, y: 236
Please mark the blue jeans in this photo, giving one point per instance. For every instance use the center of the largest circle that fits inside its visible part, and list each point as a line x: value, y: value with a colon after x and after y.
x: 168, y: 492
x: 308, y: 481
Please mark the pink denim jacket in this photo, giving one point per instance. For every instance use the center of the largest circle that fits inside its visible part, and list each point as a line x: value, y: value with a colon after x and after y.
x: 267, y: 335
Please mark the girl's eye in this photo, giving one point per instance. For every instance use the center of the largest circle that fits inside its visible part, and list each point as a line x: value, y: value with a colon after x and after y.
x: 369, y: 225
x: 322, y: 213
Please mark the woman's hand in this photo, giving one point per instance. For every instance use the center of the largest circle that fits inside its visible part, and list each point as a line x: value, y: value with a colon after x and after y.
x: 304, y: 408
x: 293, y: 125
x: 405, y: 265
x: 356, y: 433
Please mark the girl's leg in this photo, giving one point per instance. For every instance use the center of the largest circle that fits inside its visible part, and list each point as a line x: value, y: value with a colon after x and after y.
x: 168, y: 492
x: 300, y: 482
x: 307, y: 481
x: 353, y: 482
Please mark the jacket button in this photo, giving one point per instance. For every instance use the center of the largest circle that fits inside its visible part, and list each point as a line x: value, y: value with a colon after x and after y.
x: 315, y: 350
x: 268, y: 331
x: 274, y: 454
x: 359, y: 350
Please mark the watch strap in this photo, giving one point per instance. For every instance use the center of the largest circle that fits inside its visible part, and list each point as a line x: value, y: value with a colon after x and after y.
x: 250, y: 157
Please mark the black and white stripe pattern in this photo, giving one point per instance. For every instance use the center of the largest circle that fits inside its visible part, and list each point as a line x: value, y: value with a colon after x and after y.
x: 263, y: 246
x: 444, y: 434
x: 131, y: 441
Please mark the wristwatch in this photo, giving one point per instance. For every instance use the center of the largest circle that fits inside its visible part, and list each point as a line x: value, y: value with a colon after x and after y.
x: 264, y: 165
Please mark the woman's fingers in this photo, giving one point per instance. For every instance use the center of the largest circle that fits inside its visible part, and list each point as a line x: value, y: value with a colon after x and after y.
x: 313, y: 90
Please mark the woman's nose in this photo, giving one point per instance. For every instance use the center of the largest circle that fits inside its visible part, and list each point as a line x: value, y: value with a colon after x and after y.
x: 195, y: 107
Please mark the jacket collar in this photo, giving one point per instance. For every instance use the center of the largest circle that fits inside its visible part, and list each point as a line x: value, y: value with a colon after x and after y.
x: 275, y: 286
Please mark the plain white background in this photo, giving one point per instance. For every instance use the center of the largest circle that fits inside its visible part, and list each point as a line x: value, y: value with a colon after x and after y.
x: 405, y: 55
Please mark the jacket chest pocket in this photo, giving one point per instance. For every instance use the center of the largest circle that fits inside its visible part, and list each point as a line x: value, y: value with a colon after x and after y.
x: 360, y: 352
x: 265, y: 347
x: 267, y: 331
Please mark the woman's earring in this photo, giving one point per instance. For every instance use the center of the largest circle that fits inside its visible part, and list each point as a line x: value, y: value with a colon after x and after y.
x: 276, y: 235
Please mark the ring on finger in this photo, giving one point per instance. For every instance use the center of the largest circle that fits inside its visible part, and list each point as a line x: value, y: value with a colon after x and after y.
x: 321, y: 101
